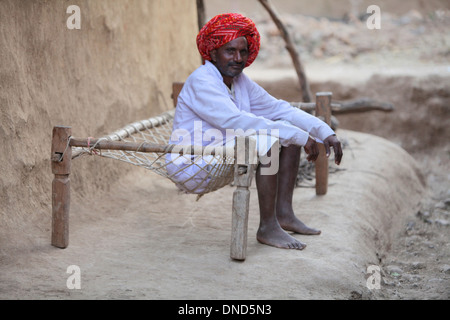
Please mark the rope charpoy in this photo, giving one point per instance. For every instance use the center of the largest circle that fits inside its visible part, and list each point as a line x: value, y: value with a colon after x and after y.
x: 209, y: 173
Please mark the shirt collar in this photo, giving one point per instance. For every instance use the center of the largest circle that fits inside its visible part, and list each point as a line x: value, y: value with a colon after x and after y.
x: 212, y: 68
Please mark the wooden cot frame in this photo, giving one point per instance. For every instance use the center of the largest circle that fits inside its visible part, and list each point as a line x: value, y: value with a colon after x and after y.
x: 61, y: 158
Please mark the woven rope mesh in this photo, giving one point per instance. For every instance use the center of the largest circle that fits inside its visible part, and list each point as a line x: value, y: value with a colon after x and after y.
x: 191, y: 173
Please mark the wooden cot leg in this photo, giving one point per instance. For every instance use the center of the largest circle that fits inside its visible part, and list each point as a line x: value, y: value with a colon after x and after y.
x: 323, y: 109
x: 246, y: 160
x: 61, y: 160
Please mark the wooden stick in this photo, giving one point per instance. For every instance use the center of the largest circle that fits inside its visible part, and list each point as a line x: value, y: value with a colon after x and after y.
x: 304, y: 85
x: 323, y: 109
x: 350, y: 106
x: 176, y: 89
x: 201, y: 18
x: 243, y: 175
x: 201, y: 14
x: 61, y: 157
x: 104, y: 144
x: 361, y: 105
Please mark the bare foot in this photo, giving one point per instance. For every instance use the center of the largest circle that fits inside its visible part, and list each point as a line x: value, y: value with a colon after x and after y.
x: 295, y: 225
x: 277, y: 237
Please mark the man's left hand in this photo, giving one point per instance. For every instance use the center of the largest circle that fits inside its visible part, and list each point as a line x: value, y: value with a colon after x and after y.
x: 333, y: 141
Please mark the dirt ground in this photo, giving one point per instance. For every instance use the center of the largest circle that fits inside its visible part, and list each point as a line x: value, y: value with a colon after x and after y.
x: 406, y: 64
x: 144, y: 240
x: 387, y: 206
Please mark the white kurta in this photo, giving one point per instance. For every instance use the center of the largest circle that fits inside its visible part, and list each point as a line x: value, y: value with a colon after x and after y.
x: 208, y: 113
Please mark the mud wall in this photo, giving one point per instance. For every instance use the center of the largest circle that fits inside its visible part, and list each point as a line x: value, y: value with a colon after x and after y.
x: 116, y: 68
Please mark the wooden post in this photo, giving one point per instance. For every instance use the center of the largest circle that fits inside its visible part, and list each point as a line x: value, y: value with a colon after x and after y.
x: 176, y: 89
x: 291, y: 48
x: 323, y: 109
x: 245, y: 149
x: 201, y: 14
x: 61, y: 158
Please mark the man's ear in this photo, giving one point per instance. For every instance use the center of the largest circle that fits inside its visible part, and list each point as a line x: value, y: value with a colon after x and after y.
x: 213, y: 55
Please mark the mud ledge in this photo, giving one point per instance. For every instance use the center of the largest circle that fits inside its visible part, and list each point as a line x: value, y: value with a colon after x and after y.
x: 144, y: 240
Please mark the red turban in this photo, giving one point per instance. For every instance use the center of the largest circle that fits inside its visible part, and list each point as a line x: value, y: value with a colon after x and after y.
x: 224, y: 28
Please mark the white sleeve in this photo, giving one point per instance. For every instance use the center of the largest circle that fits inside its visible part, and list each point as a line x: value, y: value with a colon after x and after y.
x: 265, y: 105
x: 210, y: 103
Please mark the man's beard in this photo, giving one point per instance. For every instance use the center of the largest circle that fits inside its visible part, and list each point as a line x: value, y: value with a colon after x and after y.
x: 231, y: 71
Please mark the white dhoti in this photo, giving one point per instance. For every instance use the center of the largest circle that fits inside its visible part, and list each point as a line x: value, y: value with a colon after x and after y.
x: 201, y: 173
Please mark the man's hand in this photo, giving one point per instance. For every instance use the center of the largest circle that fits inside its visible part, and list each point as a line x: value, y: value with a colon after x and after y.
x: 311, y: 149
x: 333, y: 141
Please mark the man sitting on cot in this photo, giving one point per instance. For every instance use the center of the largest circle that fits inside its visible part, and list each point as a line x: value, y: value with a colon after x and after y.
x: 219, y: 96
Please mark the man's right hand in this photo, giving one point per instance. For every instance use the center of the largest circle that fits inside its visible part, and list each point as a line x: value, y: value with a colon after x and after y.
x: 311, y: 149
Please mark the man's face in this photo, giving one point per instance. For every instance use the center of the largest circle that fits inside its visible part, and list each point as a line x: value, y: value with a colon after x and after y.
x: 231, y: 58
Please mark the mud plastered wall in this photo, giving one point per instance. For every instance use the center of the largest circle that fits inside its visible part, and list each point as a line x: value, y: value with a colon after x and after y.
x: 118, y: 67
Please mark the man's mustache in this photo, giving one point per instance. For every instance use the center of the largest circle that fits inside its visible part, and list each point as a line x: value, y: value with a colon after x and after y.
x: 236, y: 64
